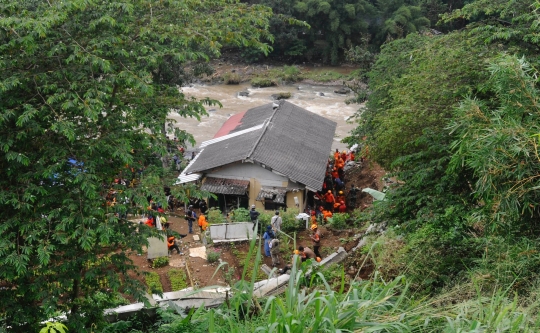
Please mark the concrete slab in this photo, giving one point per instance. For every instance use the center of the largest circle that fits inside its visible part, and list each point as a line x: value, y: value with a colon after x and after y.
x: 334, y: 258
x: 196, y: 238
x: 264, y: 287
x: 231, y: 231
x: 157, y: 248
x: 198, y: 252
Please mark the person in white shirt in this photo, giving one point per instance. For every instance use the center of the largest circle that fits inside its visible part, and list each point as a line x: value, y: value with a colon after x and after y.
x: 276, y: 222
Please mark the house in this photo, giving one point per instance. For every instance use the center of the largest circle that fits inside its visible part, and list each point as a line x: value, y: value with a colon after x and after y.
x: 270, y: 156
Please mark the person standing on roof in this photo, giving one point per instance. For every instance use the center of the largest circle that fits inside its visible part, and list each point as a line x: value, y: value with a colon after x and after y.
x: 190, y: 218
x: 276, y: 222
x: 254, y: 216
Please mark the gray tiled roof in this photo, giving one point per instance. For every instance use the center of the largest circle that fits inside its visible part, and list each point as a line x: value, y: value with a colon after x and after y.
x: 225, y: 186
x: 295, y: 142
x: 224, y: 152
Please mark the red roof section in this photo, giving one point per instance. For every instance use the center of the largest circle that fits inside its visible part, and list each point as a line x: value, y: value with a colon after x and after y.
x: 230, y: 124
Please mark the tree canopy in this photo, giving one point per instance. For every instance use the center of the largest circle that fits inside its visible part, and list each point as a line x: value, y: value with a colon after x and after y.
x: 85, y: 90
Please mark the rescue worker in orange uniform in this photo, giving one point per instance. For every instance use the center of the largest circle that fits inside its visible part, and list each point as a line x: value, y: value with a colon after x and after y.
x: 342, y: 207
x: 340, y: 197
x: 335, y: 173
x: 203, y: 224
x: 171, y: 244
x: 326, y: 215
x: 336, y: 154
x: 329, y: 200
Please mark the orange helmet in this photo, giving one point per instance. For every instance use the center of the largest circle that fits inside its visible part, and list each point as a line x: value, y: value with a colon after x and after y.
x: 340, y: 192
x: 313, y: 226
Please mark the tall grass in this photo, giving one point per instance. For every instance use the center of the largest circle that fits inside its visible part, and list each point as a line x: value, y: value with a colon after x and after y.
x: 366, y: 306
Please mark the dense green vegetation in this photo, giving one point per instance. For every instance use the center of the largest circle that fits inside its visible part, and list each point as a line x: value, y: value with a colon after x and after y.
x: 85, y: 90
x: 352, y: 29
x: 455, y: 118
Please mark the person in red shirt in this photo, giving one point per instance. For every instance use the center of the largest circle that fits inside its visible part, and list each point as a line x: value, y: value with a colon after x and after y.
x: 329, y: 201
x: 149, y: 221
x: 342, y: 207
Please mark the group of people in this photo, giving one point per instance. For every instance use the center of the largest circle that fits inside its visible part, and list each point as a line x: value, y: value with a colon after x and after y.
x: 155, y: 216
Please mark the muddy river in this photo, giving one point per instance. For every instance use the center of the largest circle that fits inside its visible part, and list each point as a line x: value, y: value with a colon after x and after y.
x: 319, y: 99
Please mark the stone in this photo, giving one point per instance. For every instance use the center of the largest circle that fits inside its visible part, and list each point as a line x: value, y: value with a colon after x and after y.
x: 157, y: 248
x: 342, y: 91
x: 196, y: 238
x: 198, y: 252
x: 243, y: 93
x: 320, y: 94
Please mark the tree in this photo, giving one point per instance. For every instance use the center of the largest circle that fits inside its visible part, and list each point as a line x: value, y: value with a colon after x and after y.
x: 85, y: 90
x: 335, y: 25
x: 498, y: 140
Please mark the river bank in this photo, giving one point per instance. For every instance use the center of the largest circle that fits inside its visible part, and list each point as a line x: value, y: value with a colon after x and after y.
x: 230, y: 71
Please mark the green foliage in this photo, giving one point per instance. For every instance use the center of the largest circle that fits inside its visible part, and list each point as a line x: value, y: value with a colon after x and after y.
x: 54, y: 327
x: 231, y: 78
x: 213, y: 256
x: 340, y: 221
x: 241, y: 215
x: 323, y: 76
x: 262, y: 82
x: 415, y: 83
x: 214, y: 216
x: 290, y: 223
x: 153, y: 283
x: 94, y: 81
x: 497, y: 139
x: 178, y: 279
x: 289, y: 74
x: 160, y: 262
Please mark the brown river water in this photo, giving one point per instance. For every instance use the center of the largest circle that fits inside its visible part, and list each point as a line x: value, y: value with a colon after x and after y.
x: 319, y: 99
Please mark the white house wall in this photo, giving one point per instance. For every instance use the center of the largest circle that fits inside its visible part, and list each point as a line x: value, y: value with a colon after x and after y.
x: 247, y: 171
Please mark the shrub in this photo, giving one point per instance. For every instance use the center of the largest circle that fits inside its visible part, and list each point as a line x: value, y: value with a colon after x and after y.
x: 153, y: 282
x: 264, y: 221
x: 241, y: 215
x: 325, y: 76
x: 214, y: 216
x: 290, y: 223
x: 160, y: 262
x: 178, y: 279
x: 281, y: 95
x: 212, y: 256
x: 339, y: 221
x: 231, y: 78
x: 262, y: 82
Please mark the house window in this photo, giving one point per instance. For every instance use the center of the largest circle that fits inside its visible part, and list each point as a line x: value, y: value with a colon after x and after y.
x: 270, y: 204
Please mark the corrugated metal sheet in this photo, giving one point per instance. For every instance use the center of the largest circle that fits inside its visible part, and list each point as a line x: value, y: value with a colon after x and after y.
x: 269, y: 192
x: 225, y: 186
